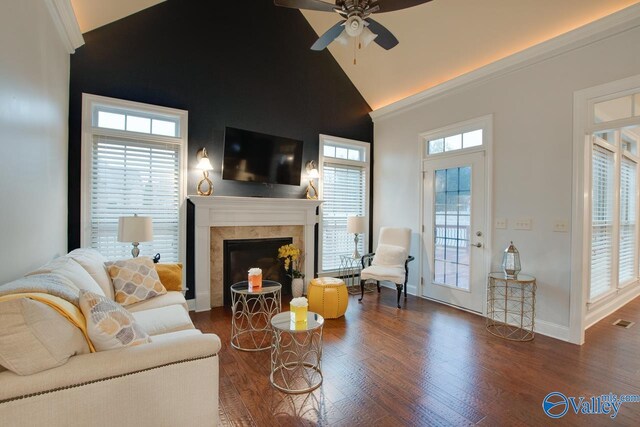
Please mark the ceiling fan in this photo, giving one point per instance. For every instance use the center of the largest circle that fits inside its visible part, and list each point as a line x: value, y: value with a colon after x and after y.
x: 356, y: 21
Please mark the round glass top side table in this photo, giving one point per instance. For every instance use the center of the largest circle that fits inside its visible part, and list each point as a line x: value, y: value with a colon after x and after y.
x: 511, y: 306
x: 252, y: 312
x: 296, y: 353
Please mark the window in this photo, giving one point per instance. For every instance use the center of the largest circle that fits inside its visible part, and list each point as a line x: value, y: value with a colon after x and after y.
x: 614, y: 204
x: 455, y: 142
x: 134, y: 163
x: 344, y: 187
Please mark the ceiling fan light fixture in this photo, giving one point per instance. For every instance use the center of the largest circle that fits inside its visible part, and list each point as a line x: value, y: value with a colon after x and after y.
x: 367, y: 37
x: 354, y: 26
x: 343, y: 38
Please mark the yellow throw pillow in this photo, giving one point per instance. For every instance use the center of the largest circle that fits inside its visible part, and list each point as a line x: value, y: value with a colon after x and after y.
x: 170, y: 276
x: 109, y: 325
x: 135, y: 280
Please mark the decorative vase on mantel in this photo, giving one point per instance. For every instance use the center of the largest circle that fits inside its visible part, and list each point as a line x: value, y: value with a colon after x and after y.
x: 297, y: 287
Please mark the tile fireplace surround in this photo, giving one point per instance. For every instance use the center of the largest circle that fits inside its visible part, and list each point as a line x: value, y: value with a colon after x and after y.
x: 254, y: 216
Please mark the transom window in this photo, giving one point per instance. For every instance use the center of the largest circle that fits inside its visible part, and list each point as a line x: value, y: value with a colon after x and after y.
x: 135, y: 121
x: 455, y: 142
x: 133, y: 163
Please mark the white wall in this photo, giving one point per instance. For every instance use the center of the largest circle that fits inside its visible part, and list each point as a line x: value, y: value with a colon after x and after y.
x: 34, y: 91
x: 532, y: 156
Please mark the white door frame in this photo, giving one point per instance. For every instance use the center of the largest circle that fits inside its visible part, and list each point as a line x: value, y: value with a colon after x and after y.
x: 581, y: 213
x: 486, y: 124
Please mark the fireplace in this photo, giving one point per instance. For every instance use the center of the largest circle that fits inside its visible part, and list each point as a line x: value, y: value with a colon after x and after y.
x: 219, y: 218
x: 242, y: 254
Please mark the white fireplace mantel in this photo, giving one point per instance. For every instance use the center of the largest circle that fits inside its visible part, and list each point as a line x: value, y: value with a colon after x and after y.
x: 220, y: 211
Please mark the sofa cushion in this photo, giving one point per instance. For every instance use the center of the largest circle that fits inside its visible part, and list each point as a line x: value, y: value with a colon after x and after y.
x: 73, y: 271
x: 134, y: 280
x: 109, y: 325
x: 170, y: 298
x: 35, y: 337
x: 93, y: 262
x: 170, y: 275
x: 378, y: 272
x: 163, y: 320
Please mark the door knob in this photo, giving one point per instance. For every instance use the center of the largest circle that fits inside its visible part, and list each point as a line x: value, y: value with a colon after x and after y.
x: 477, y: 245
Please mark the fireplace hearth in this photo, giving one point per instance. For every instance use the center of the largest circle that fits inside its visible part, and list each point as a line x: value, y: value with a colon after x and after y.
x: 242, y: 254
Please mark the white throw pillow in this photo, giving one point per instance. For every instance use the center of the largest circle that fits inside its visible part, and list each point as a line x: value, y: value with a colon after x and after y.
x: 35, y: 337
x: 109, y: 325
x: 390, y: 256
x: 93, y: 262
x: 73, y: 271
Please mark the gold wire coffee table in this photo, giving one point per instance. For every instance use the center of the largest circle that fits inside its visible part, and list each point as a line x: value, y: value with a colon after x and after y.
x: 511, y: 306
x: 296, y: 353
x: 252, y: 312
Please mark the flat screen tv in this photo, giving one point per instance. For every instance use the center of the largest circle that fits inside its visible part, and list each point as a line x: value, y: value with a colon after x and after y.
x: 256, y: 157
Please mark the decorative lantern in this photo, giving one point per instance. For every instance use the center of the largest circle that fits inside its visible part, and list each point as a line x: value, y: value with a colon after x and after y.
x: 511, y: 262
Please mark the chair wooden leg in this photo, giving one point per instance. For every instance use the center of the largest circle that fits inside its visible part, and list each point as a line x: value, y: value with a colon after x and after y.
x: 399, y: 294
x: 361, y: 290
x: 378, y: 284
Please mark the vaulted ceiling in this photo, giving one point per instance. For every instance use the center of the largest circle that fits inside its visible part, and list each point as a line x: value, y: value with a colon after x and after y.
x: 439, y: 40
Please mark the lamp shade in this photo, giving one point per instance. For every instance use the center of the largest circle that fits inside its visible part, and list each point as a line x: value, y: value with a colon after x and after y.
x: 356, y: 224
x: 204, y: 164
x: 135, y: 229
x: 313, y: 173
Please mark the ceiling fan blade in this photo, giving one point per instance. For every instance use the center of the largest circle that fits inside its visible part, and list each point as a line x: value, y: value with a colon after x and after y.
x: 391, y: 5
x: 329, y: 36
x: 385, y: 39
x: 306, y: 4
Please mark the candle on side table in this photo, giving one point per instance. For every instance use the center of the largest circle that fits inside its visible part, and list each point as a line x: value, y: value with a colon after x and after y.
x: 255, y: 279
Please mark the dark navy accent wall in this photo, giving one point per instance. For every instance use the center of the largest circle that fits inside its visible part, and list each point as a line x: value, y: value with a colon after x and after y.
x: 240, y: 63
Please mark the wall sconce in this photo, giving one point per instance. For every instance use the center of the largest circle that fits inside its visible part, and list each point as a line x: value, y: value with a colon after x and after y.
x: 135, y: 229
x: 312, y: 173
x: 205, y: 166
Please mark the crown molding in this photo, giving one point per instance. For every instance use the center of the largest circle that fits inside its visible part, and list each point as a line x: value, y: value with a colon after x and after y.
x: 65, y: 21
x: 602, y: 28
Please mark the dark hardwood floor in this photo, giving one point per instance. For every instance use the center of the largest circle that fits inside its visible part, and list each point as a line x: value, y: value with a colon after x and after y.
x: 430, y: 365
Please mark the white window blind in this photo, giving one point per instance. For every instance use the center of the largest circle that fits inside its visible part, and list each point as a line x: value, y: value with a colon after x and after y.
x: 628, y: 205
x: 344, y: 194
x: 134, y: 177
x: 602, y: 170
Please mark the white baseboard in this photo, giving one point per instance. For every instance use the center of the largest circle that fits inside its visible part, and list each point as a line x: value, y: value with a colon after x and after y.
x: 191, y: 303
x: 552, y: 330
x: 608, y: 306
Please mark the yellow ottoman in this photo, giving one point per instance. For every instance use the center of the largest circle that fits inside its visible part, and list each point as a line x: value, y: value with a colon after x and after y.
x: 328, y: 297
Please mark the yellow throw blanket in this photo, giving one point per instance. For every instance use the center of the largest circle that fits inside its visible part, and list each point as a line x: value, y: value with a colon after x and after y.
x: 64, y: 307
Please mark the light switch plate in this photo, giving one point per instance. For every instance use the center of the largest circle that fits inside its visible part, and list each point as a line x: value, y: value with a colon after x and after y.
x: 522, y: 224
x: 561, y: 226
x: 501, y: 223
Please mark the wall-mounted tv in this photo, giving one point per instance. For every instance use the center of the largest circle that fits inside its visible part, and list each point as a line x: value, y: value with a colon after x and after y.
x: 256, y: 157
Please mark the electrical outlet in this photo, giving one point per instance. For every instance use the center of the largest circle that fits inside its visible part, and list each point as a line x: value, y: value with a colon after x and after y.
x: 501, y: 223
x: 561, y: 226
x: 522, y: 224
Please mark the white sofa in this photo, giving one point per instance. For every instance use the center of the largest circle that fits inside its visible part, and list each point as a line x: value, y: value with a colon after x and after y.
x: 171, y: 381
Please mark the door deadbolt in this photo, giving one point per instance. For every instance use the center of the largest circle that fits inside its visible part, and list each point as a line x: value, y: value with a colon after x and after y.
x: 479, y: 233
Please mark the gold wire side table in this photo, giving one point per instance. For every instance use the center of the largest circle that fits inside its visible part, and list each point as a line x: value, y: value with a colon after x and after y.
x: 511, y: 306
x: 296, y: 353
x: 252, y: 312
x: 349, y: 272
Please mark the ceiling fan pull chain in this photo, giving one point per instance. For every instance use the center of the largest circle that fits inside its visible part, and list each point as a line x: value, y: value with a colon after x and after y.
x: 355, y: 50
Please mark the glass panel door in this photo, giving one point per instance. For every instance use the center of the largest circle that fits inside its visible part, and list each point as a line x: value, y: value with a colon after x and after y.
x: 452, y: 217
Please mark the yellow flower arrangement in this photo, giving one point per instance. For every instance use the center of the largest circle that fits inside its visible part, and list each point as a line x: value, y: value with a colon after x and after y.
x: 293, y: 259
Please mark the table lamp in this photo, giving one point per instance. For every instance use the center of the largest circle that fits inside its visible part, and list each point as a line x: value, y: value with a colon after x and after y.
x: 135, y: 229
x: 356, y: 224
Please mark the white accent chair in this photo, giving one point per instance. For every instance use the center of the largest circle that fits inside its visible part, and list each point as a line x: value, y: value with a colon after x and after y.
x: 390, y: 261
